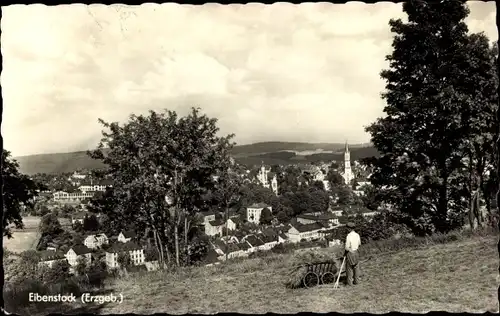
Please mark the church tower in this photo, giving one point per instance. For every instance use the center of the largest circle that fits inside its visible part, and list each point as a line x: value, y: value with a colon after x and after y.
x: 348, y: 176
x: 263, y: 177
x: 274, y: 185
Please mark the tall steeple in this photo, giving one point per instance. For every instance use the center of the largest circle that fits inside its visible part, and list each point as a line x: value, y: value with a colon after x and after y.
x: 348, y: 176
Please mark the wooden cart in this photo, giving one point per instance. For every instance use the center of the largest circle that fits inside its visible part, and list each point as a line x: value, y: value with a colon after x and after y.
x: 320, y: 273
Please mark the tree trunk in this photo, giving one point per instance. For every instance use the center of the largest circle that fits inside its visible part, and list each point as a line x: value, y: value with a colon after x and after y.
x: 227, y: 246
x: 471, y: 194
x: 442, y: 209
x: 176, y: 240
x: 497, y: 146
x: 186, y: 229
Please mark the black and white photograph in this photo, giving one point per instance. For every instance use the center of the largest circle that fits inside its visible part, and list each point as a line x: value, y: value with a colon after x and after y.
x: 250, y: 158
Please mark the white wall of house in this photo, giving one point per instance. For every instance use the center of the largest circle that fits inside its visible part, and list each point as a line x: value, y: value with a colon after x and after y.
x: 295, y: 236
x: 253, y: 214
x: 72, y: 257
x: 121, y: 238
x: 231, y: 225
x: 213, y: 230
x: 136, y: 257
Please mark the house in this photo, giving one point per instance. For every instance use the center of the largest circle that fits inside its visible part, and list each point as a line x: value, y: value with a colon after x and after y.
x: 233, y: 223
x: 304, y: 231
x: 282, y: 238
x: 94, y: 241
x: 49, y: 257
x: 214, y: 227
x: 152, y: 265
x: 234, y: 251
x: 269, y: 241
x: 79, y: 217
x: 254, y: 242
x: 135, y: 252
x: 208, y: 216
x: 126, y: 236
x: 254, y: 211
x: 336, y: 212
x: 77, y: 252
x: 244, y: 247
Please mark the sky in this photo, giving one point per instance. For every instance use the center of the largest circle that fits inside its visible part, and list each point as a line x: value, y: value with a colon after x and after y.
x: 281, y: 72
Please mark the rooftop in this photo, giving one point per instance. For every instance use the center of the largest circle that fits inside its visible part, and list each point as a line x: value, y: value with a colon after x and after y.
x: 47, y: 255
x: 121, y: 247
x: 258, y: 205
x: 81, y: 249
x: 217, y: 222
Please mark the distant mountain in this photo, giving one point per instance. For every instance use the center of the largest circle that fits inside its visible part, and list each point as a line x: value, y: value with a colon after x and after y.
x: 283, y: 153
x: 269, y: 147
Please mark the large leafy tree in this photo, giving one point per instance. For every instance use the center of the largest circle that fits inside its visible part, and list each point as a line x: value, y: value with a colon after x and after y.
x: 430, y: 107
x: 162, y: 166
x: 18, y: 193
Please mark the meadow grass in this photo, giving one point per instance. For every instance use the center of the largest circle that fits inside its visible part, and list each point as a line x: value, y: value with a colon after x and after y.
x: 452, y: 272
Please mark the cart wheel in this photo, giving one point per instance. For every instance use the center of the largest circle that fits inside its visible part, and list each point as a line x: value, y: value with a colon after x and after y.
x: 311, y: 279
x: 327, y: 278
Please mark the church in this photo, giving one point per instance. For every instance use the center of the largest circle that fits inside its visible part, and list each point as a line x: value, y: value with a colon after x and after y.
x: 347, y: 174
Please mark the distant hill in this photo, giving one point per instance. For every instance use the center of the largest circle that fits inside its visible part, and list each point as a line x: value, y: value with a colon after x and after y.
x: 283, y: 153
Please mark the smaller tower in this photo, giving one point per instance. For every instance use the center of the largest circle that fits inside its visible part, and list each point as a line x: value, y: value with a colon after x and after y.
x: 274, y: 185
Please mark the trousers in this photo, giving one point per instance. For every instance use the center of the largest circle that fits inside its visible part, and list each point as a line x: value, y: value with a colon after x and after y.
x: 352, y: 267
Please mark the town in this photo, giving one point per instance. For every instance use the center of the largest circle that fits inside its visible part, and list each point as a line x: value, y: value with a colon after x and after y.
x: 242, y: 231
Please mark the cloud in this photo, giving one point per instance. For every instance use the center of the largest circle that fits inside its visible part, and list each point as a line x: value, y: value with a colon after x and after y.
x: 306, y: 72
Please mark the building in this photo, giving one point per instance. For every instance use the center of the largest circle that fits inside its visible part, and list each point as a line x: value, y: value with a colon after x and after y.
x: 92, y: 188
x: 49, y: 257
x: 336, y: 212
x: 234, y: 251
x: 269, y: 241
x: 126, y: 236
x: 233, y: 223
x: 78, y: 252
x: 208, y: 216
x: 135, y: 252
x: 262, y: 176
x: 93, y: 241
x: 325, y: 219
x: 298, y: 232
x: 347, y: 174
x: 254, y: 242
x: 282, y: 238
x: 254, y: 211
x: 214, y: 227
x: 71, y: 198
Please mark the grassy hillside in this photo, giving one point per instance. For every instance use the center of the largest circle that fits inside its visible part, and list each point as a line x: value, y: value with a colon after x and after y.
x: 268, y: 152
x: 454, y: 277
